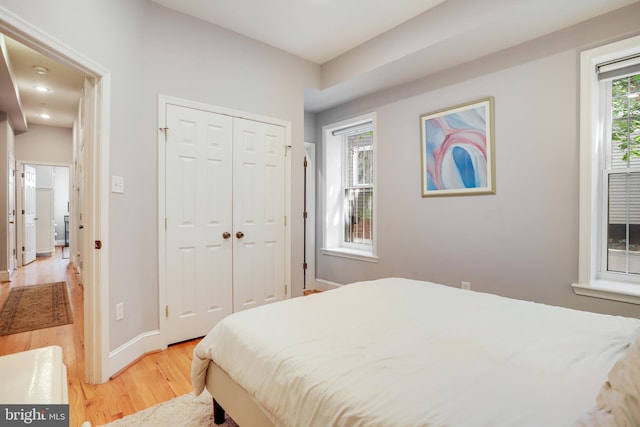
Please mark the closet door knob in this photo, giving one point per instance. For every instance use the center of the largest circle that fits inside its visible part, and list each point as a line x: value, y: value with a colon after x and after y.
x: 226, y: 235
x: 239, y: 234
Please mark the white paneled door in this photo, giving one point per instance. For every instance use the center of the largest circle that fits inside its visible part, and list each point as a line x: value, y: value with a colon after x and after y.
x: 224, y: 218
x: 198, y: 211
x: 45, y: 237
x: 29, y: 214
x: 258, y: 213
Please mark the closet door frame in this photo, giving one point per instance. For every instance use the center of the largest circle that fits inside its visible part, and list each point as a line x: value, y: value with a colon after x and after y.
x: 163, y: 101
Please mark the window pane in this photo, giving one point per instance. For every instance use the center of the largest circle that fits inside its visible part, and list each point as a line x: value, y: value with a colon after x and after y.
x: 359, y: 159
x: 364, y: 161
x: 620, y: 87
x: 359, y: 216
x: 358, y: 188
x: 623, y: 236
x: 634, y: 84
x: 620, y: 107
x: 625, y: 124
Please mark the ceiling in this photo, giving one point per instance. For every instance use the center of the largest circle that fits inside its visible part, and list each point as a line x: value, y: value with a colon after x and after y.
x: 361, y: 49
x: 364, y: 48
x: 60, y: 103
x: 316, y: 30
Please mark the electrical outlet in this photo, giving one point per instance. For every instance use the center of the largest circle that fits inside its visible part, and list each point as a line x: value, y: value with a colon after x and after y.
x: 465, y: 285
x: 119, y: 311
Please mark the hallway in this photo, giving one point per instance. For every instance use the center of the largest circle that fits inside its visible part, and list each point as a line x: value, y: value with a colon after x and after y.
x: 70, y: 337
x: 154, y: 378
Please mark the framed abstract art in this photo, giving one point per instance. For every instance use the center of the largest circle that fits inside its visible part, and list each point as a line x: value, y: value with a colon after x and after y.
x: 458, y: 150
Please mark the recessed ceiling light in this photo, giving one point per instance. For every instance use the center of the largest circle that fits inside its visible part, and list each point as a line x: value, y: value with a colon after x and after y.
x: 44, y: 116
x: 40, y: 69
x: 40, y: 88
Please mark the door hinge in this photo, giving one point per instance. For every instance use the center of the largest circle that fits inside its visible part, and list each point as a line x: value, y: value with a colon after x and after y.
x: 23, y: 174
x: 22, y: 211
x: 304, y: 214
x: 165, y: 131
x: 166, y: 311
x: 286, y: 150
x: 306, y: 164
x: 304, y: 265
x: 286, y: 288
x: 23, y: 249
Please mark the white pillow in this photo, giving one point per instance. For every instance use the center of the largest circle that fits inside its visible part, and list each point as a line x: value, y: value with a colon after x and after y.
x: 618, y: 404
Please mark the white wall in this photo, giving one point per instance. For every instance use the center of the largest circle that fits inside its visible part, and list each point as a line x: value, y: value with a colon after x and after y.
x: 310, y: 127
x: 7, y: 150
x: 47, y: 144
x: 149, y: 51
x: 521, y: 242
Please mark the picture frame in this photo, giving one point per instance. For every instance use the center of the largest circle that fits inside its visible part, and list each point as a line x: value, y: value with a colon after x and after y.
x: 457, y: 147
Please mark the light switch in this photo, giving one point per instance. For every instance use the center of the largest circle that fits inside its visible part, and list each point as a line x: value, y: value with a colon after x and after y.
x: 117, y: 184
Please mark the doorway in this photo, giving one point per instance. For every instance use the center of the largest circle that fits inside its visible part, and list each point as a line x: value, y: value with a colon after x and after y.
x: 95, y: 134
x: 50, y: 191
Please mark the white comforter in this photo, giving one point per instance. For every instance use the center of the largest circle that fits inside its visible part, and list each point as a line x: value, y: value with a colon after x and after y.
x: 398, y: 352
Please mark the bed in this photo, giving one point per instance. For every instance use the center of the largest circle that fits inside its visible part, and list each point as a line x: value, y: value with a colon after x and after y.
x: 400, y: 352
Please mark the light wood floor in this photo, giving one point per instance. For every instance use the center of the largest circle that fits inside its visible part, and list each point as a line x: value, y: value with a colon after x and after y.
x: 155, y: 378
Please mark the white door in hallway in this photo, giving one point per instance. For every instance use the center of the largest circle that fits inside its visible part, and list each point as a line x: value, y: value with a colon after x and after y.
x: 29, y: 214
x: 45, y: 240
x: 13, y: 262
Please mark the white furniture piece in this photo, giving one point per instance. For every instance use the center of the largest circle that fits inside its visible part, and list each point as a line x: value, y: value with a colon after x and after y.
x: 35, y: 376
x: 411, y: 353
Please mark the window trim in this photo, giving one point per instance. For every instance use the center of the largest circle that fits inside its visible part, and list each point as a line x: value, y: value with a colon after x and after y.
x: 590, y: 211
x: 331, y: 232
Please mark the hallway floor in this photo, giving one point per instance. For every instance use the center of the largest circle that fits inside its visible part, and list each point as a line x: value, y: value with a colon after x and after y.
x: 154, y: 378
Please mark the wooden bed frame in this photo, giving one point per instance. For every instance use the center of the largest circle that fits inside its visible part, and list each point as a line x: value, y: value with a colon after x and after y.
x: 230, y: 397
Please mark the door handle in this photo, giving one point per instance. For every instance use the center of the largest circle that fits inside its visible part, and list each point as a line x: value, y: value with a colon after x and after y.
x: 10, y: 222
x: 81, y: 227
x: 226, y: 235
x: 239, y: 234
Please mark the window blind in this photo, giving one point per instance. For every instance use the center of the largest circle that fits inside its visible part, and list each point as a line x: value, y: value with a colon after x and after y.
x: 621, y: 67
x: 353, y: 129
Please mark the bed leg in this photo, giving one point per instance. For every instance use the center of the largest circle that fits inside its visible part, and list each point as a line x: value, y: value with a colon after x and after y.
x: 218, y: 413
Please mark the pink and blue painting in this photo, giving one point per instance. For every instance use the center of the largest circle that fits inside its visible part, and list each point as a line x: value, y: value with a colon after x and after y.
x: 457, y: 150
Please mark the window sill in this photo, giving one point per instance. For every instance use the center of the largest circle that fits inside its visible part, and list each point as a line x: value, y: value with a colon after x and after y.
x: 350, y: 253
x: 606, y: 289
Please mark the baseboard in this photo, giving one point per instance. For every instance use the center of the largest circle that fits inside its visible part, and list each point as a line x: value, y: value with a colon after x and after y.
x: 5, y: 276
x: 129, y: 352
x: 324, y: 285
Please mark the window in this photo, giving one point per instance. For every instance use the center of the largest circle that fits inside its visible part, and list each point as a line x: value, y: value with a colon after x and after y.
x: 349, y: 168
x: 621, y: 194
x: 609, y: 250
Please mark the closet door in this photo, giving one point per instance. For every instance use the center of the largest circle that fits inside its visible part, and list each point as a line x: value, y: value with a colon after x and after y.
x: 258, y: 213
x: 45, y: 240
x: 199, y: 221
x: 29, y: 214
